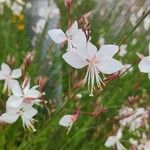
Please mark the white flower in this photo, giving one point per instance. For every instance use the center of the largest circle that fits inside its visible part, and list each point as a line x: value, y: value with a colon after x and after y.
x: 40, y: 25
x: 24, y: 95
x: 115, y: 141
x: 144, y: 64
x: 132, y: 118
x: 147, y: 23
x: 9, y: 76
x: 26, y: 112
x: 16, y: 8
x: 123, y: 50
x: 96, y: 62
x: 73, y: 36
x: 68, y: 120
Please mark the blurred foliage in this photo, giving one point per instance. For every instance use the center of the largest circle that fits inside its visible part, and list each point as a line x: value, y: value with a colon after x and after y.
x: 88, y: 133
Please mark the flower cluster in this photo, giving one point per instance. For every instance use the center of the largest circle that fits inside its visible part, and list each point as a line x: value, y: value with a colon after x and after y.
x: 21, y: 98
x: 133, y: 120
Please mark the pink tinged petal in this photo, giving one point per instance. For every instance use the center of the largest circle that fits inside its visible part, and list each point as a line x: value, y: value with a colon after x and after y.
x: 9, y: 118
x: 109, y: 66
x: 14, y: 101
x: 33, y: 94
x: 2, y: 76
x: 110, y: 141
x: 17, y: 73
x: 107, y: 51
x: 144, y: 65
x: 15, y: 87
x: 5, y: 69
x: 66, y: 121
x: 74, y: 60
x: 26, y: 85
x: 72, y: 29
x: 57, y: 35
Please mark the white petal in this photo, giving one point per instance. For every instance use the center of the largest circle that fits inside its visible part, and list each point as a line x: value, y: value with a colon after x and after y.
x: 66, y: 121
x: 9, y: 118
x: 119, y: 134
x: 57, y: 35
x: 74, y: 59
x: 2, y: 76
x: 5, y: 69
x: 15, y: 87
x: 107, y: 51
x: 109, y: 66
x: 110, y: 141
x: 144, y: 65
x: 78, y: 38
x: 14, y: 101
x: 33, y: 93
x: 29, y: 111
x: 91, y: 50
x: 17, y: 73
x: 72, y: 29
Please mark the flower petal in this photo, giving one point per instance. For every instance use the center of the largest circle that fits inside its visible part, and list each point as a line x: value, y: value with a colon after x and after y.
x: 74, y: 59
x: 144, y: 65
x: 29, y: 111
x: 32, y: 93
x: 107, y: 51
x: 2, y: 76
x: 110, y: 141
x: 72, y: 29
x: 5, y: 69
x: 78, y: 38
x: 57, y: 35
x: 66, y: 121
x: 17, y: 73
x: 14, y: 101
x: 109, y: 66
x: 9, y: 118
x: 15, y: 87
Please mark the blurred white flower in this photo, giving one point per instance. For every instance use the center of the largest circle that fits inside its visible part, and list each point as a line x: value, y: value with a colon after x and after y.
x: 134, y: 41
x: 101, y: 40
x: 133, y: 19
x: 115, y: 141
x: 40, y: 25
x: 24, y: 95
x: 123, y: 50
x: 26, y: 112
x: 147, y: 23
x: 28, y: 5
x: 144, y: 64
x: 96, y: 62
x: 73, y: 36
x: 132, y: 118
x: 68, y: 120
x: 16, y: 8
x: 44, y: 12
x: 9, y: 77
